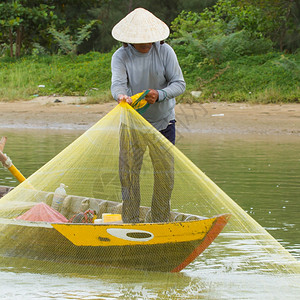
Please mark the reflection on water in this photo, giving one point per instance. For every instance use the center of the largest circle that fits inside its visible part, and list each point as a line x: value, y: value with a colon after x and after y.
x: 260, y: 173
x: 34, y: 280
x: 59, y: 281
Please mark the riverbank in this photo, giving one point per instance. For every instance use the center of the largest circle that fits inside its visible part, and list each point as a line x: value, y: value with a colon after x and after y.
x: 72, y: 113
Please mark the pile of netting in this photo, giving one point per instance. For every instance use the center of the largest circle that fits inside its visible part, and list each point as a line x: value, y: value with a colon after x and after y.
x: 122, y: 147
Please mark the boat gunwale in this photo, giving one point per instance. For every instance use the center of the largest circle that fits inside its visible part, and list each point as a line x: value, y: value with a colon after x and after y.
x: 20, y: 222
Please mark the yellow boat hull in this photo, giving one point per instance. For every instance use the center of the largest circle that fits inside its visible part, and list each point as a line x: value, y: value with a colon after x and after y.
x: 151, y: 246
x: 106, y: 235
x: 166, y: 247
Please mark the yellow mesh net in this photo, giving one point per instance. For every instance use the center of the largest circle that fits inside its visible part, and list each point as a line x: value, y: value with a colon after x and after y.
x: 123, y: 158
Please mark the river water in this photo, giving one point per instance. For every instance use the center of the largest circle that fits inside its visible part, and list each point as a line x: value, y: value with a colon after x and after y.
x: 260, y: 173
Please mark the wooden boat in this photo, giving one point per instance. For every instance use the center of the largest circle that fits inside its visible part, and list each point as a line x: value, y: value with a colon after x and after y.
x: 166, y: 247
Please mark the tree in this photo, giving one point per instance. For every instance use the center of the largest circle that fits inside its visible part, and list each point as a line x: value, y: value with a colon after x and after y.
x: 277, y: 19
x: 21, y: 24
x: 68, y: 44
x: 196, y: 5
x: 283, y: 17
x: 111, y: 12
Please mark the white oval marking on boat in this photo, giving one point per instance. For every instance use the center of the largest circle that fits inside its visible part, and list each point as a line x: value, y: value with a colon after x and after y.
x: 131, y: 234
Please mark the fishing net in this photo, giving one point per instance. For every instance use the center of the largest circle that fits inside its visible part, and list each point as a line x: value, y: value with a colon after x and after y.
x: 122, y: 157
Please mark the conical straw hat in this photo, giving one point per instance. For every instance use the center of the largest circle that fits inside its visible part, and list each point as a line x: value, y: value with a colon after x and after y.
x: 140, y: 26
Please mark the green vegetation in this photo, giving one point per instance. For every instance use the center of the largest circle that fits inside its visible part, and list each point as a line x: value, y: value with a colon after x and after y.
x: 271, y: 77
x: 265, y: 78
x: 87, y: 74
x: 230, y: 50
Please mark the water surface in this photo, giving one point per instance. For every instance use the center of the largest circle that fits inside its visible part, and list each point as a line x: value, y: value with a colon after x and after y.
x: 260, y: 173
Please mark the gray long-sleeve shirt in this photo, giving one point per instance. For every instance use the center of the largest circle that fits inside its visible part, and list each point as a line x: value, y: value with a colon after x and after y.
x: 133, y: 72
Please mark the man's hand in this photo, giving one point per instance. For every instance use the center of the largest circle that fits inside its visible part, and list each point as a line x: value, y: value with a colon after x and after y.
x: 124, y: 98
x: 152, y: 96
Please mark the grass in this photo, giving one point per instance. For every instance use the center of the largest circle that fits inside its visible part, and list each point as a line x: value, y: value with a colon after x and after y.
x: 267, y: 78
x: 87, y: 75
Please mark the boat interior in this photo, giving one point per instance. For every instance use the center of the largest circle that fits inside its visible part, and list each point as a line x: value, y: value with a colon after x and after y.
x: 73, y: 205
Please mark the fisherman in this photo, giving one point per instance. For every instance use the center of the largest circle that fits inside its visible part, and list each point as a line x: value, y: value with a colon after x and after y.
x: 146, y: 62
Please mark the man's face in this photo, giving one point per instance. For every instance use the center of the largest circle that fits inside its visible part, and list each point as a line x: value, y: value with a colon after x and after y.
x: 143, y: 48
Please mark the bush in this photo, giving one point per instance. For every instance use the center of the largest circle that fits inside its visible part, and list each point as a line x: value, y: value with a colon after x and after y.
x: 202, y: 38
x: 223, y: 48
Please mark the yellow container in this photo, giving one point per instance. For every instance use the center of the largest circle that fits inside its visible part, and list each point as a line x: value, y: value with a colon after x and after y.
x: 110, y: 218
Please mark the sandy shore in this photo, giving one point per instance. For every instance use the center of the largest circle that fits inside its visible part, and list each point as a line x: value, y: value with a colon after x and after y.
x: 218, y: 118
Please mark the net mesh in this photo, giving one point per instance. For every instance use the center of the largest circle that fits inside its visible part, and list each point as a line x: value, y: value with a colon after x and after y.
x: 124, y: 157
